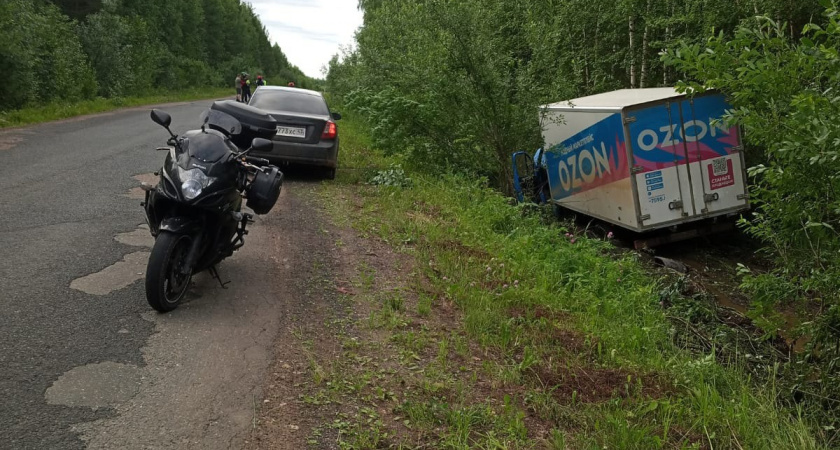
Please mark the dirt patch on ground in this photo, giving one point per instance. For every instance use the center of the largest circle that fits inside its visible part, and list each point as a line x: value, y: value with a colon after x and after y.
x: 355, y: 376
x: 581, y: 384
x: 145, y: 179
x: 329, y: 362
x: 711, y: 276
x: 397, y: 364
x: 9, y: 141
x: 428, y: 209
x: 555, y: 329
x: 282, y: 420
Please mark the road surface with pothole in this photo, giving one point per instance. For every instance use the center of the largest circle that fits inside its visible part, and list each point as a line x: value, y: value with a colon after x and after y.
x: 84, y: 361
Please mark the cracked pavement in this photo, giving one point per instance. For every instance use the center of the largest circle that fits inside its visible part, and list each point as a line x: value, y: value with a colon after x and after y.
x: 96, y: 367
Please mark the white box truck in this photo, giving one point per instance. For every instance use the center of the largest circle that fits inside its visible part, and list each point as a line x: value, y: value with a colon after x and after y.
x: 644, y: 159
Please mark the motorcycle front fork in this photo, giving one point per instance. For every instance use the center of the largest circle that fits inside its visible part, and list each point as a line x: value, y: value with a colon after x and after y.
x: 192, y: 256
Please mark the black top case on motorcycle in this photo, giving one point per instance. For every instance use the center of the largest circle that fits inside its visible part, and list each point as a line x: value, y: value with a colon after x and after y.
x: 256, y: 123
x: 264, y: 190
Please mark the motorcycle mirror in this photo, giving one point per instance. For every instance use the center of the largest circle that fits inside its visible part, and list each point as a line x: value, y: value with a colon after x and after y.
x: 262, y: 145
x: 161, y: 118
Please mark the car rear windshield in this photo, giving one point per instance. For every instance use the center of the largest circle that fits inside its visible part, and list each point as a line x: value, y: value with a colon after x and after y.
x: 290, y: 101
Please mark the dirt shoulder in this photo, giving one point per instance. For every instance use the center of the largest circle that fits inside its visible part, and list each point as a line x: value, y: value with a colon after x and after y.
x: 325, y: 358
x: 386, y: 361
x: 458, y: 321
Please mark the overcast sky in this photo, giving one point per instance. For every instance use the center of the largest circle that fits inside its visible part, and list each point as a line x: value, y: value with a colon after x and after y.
x: 309, y: 31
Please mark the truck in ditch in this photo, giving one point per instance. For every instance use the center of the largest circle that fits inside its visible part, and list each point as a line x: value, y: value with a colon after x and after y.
x: 641, y: 159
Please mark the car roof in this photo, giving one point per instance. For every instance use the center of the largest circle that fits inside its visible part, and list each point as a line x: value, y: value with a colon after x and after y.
x: 290, y: 89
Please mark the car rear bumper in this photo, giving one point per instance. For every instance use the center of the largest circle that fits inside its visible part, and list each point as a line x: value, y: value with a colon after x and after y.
x: 324, y: 154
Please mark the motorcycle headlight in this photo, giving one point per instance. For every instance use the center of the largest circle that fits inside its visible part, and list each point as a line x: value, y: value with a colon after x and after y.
x: 191, y: 189
x: 193, y: 181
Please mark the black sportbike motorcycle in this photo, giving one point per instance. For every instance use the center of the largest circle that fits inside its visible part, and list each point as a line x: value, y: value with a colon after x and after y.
x: 195, y: 211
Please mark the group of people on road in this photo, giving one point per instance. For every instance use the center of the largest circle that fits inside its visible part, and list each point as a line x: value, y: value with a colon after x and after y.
x: 243, y: 86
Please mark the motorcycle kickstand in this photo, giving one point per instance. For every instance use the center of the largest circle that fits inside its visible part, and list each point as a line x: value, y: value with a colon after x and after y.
x: 215, y: 274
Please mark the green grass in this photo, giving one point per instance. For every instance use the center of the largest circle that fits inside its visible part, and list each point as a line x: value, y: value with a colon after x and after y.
x: 492, y: 259
x: 56, y: 111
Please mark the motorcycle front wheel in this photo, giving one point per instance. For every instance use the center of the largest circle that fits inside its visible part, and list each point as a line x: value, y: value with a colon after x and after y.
x: 166, y: 283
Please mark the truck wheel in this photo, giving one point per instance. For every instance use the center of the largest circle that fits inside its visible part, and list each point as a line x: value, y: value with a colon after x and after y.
x: 558, y: 211
x: 562, y: 214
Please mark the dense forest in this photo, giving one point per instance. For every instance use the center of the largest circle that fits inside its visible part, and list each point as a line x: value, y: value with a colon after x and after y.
x: 455, y: 86
x: 71, y: 50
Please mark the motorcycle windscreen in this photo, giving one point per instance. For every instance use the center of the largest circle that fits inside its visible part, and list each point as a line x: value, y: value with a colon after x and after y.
x: 220, y: 121
x: 209, y: 147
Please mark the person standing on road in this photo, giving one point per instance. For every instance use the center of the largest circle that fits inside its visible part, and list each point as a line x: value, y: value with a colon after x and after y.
x: 238, y: 84
x: 246, y: 88
x: 246, y: 92
x: 260, y: 81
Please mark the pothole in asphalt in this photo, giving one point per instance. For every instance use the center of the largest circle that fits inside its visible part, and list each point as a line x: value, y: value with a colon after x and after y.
x: 144, y: 178
x: 137, y: 238
x: 114, y: 277
x: 9, y: 141
x: 95, y: 385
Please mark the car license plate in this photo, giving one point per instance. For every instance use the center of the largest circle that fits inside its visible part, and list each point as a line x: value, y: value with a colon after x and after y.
x: 291, y: 132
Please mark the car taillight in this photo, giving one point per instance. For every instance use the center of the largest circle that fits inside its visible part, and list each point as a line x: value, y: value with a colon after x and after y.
x: 330, y: 131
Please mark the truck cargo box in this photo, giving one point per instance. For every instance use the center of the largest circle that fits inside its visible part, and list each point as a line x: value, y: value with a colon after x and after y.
x: 645, y: 159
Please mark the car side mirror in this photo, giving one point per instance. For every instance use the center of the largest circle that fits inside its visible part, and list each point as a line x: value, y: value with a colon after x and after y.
x: 261, y: 145
x: 161, y: 118
x: 336, y: 116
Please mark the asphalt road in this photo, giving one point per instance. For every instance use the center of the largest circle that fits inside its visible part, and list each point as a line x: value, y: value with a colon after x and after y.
x: 83, y: 360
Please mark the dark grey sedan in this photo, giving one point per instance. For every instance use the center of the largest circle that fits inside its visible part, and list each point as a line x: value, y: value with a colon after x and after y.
x: 306, y: 129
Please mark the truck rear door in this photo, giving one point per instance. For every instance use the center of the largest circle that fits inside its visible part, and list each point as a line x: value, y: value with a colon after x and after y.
x: 659, y: 162
x: 714, y: 152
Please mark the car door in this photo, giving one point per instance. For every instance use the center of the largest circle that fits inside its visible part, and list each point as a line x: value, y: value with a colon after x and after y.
x: 523, y: 176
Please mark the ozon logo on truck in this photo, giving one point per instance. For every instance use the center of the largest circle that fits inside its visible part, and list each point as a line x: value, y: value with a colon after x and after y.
x: 584, y: 167
x: 592, y: 158
x: 671, y: 135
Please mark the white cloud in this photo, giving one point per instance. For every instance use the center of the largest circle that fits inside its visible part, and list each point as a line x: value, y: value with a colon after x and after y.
x: 310, y: 32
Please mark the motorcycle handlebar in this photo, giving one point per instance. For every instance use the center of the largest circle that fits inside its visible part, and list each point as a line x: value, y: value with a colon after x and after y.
x: 257, y: 161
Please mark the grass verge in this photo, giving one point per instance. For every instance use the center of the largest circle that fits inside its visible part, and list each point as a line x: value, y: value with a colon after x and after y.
x: 511, y: 332
x: 56, y: 111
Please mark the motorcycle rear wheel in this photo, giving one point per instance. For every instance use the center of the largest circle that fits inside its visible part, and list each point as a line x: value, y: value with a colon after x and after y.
x: 166, y: 285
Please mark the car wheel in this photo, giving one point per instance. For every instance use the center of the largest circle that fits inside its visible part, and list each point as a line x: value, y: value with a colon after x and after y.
x: 329, y: 173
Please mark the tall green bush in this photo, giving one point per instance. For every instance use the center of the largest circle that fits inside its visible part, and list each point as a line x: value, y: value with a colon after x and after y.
x: 456, y: 85
x: 107, y: 39
x: 785, y: 90
x: 41, y: 56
